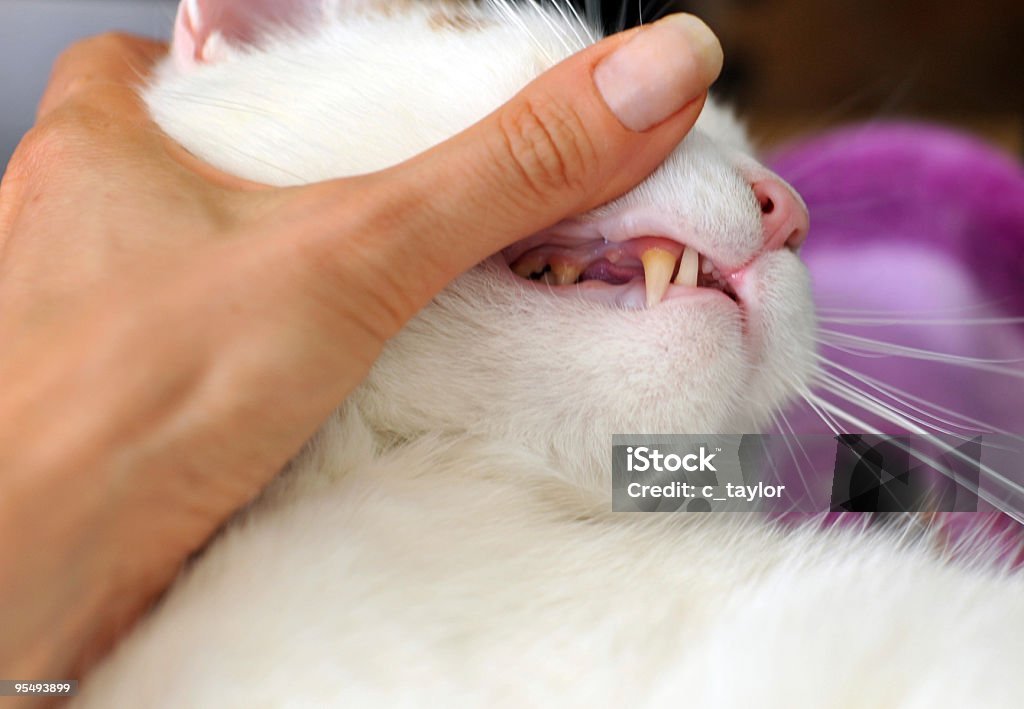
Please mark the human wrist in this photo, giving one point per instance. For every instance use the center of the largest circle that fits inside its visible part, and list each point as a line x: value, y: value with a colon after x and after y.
x: 58, y: 510
x: 52, y: 584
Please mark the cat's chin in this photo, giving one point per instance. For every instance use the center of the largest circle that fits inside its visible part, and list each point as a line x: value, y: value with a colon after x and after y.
x: 770, y: 295
x: 501, y: 357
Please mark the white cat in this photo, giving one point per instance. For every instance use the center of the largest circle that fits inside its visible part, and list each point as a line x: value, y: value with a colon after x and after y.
x: 447, y: 539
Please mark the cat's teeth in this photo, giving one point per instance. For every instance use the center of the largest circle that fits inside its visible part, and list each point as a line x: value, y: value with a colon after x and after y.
x: 687, y: 275
x: 565, y: 274
x: 527, y: 266
x: 658, y: 267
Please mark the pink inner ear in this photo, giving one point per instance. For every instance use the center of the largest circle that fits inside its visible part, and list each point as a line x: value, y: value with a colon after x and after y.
x: 233, y: 21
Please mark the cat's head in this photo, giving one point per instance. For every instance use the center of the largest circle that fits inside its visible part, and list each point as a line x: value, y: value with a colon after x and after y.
x: 291, y: 91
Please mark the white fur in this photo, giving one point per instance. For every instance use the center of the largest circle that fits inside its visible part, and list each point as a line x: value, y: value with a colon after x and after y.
x: 447, y: 538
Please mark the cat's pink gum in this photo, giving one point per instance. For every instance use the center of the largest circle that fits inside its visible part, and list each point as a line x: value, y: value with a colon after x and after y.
x: 615, y: 228
x: 627, y: 253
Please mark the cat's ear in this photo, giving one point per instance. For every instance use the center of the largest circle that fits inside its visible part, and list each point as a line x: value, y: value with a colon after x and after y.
x: 206, y: 30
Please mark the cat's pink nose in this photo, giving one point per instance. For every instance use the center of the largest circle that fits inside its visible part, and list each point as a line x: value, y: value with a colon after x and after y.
x: 783, y: 213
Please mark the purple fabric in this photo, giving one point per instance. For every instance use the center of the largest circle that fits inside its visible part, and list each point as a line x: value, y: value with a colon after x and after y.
x: 920, y: 185
x: 915, y: 220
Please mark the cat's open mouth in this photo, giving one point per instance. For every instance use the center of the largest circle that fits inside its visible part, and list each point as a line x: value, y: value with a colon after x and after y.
x: 665, y: 268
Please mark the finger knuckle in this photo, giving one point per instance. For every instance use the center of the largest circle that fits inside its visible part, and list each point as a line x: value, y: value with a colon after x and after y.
x: 48, y: 144
x: 549, y: 144
x: 71, y: 69
x: 107, y: 42
x: 40, y: 147
x: 115, y: 39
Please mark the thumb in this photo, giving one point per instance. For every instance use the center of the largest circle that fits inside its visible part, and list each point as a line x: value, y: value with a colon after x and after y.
x: 580, y: 135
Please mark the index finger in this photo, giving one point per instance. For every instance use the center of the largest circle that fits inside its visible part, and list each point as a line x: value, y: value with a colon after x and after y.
x: 103, y: 73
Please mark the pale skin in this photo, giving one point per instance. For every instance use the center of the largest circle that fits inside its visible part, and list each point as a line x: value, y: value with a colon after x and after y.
x: 172, y: 334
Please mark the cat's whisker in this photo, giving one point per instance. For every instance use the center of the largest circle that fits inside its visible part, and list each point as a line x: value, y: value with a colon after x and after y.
x: 854, y: 352
x: 556, y: 31
x: 796, y: 462
x: 575, y: 22
x: 836, y: 385
x: 853, y: 420
x: 867, y: 312
x: 860, y: 425
x: 993, y: 475
x: 905, y: 398
x: 849, y: 394
x: 591, y: 12
x: 508, y: 13
x: 928, y: 356
x: 872, y: 403
x: 874, y: 347
x: 829, y: 421
x: 770, y: 460
x: 922, y: 322
x: 623, y: 16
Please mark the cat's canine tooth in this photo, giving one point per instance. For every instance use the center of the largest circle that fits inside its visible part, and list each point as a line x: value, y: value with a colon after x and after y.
x: 687, y: 275
x: 564, y: 274
x: 658, y: 267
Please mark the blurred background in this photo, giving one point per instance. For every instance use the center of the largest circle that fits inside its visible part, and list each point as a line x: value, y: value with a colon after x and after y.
x: 797, y: 66
x: 32, y: 34
x: 792, y: 66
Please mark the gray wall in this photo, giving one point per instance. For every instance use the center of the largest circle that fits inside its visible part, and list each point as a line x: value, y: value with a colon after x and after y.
x: 32, y: 34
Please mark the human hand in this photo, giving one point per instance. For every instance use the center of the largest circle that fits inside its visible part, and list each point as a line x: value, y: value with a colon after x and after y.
x: 172, y: 334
